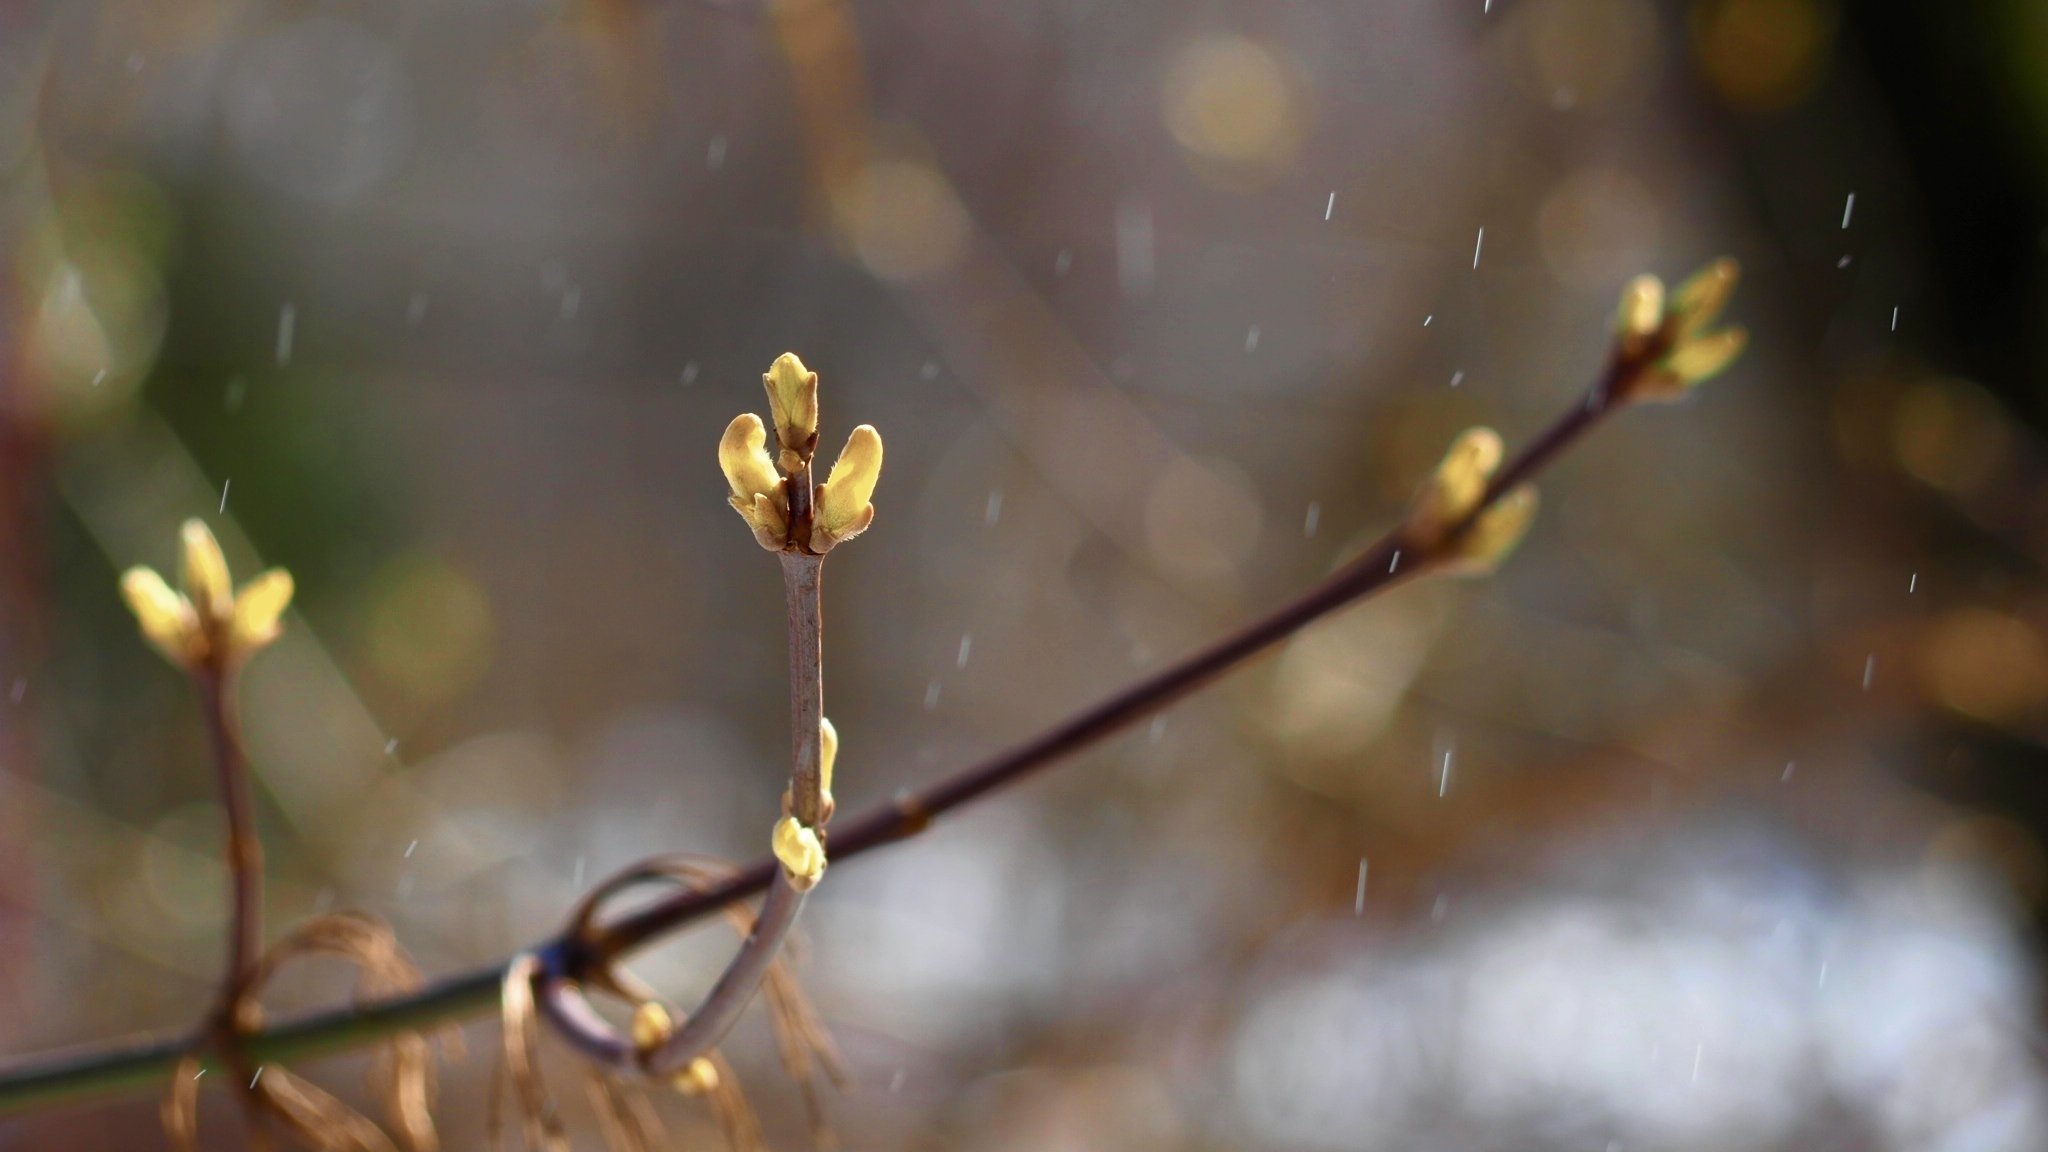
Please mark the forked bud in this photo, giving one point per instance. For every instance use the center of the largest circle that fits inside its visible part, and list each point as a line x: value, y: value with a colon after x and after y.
x: 760, y: 481
x: 1451, y: 522
x: 209, y: 623
x: 1662, y: 359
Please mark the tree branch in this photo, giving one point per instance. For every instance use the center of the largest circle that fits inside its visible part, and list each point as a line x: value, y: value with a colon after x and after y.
x: 142, y: 1065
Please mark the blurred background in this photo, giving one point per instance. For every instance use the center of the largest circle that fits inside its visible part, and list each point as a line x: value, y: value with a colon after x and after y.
x: 1712, y: 822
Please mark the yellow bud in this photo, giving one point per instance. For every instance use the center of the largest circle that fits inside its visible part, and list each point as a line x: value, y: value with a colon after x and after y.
x: 828, y: 751
x: 793, y: 400
x: 258, y: 607
x: 651, y: 1026
x: 1698, y: 302
x: 757, y: 489
x: 1642, y: 310
x: 1454, y: 489
x: 843, y: 506
x: 167, y: 619
x: 1494, y: 534
x: 699, y: 1078
x: 802, y: 856
x: 207, y: 583
x: 744, y: 458
x: 1704, y: 357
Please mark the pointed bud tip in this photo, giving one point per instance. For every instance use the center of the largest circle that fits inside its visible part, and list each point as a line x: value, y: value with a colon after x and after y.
x: 207, y: 583
x: 165, y: 618
x: 1700, y: 300
x: 793, y: 400
x: 828, y: 752
x: 259, y: 608
x: 844, y: 507
x: 756, y: 487
x: 1642, y: 308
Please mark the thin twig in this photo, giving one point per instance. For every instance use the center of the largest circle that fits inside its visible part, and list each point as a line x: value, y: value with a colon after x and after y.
x: 107, y: 1070
x: 216, y: 685
x: 558, y: 996
x: 801, y: 577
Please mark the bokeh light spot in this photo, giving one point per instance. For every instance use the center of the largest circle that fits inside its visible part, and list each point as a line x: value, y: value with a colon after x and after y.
x: 1230, y: 101
x: 429, y: 627
x: 1762, y: 55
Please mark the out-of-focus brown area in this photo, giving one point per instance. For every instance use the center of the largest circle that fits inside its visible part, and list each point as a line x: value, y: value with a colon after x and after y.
x: 1711, y: 822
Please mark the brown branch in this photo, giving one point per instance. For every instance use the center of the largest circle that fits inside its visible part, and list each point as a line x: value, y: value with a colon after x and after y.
x: 1379, y: 567
x: 801, y: 577
x: 1382, y: 565
x: 559, y: 998
x: 216, y: 683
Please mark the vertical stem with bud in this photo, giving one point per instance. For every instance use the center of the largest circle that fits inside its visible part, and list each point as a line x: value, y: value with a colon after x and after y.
x: 799, y: 521
x: 801, y: 573
x: 216, y: 684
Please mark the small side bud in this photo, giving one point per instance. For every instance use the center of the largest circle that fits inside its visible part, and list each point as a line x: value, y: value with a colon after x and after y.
x: 1700, y: 300
x: 259, y: 607
x: 1641, y: 313
x: 207, y: 583
x: 844, y: 509
x: 793, y: 401
x: 828, y: 752
x: 1457, y: 485
x: 167, y: 619
x: 1493, y: 535
x: 698, y: 1078
x: 757, y: 491
x: 743, y: 456
x: 652, y: 1027
x: 1705, y: 357
x: 802, y: 856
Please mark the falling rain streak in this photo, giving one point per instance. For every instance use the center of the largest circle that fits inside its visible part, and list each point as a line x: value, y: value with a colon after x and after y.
x: 287, y: 320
